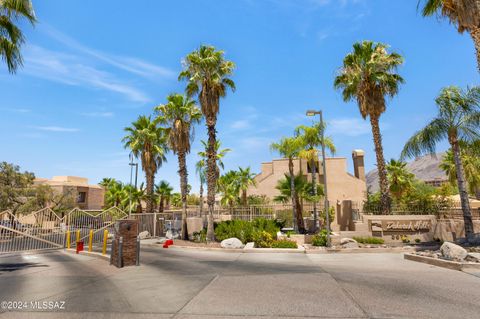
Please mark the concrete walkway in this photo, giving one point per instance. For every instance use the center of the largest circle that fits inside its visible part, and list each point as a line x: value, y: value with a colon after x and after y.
x: 174, y: 283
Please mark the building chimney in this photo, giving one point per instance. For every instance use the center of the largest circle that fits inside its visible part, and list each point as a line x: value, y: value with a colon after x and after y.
x: 358, y: 164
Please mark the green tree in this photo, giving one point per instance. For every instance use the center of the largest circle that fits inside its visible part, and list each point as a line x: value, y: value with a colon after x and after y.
x: 245, y: 180
x: 369, y: 75
x: 310, y: 138
x: 471, y: 166
x: 133, y: 198
x: 208, y: 76
x: 290, y: 148
x: 163, y: 190
x: 11, y: 37
x: 463, y: 14
x: 399, y: 178
x: 229, y: 188
x: 149, y: 142
x: 115, y: 194
x: 458, y: 120
x: 180, y: 114
x: 14, y: 186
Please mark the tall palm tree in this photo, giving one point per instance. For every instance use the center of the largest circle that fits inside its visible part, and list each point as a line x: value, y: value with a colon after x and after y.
x: 368, y: 75
x: 208, y: 75
x: 310, y: 138
x: 163, y: 190
x: 290, y: 148
x: 458, y: 120
x: 471, y: 166
x: 11, y: 37
x: 201, y: 166
x: 180, y: 114
x: 245, y: 179
x: 463, y: 14
x: 399, y: 178
x: 147, y: 140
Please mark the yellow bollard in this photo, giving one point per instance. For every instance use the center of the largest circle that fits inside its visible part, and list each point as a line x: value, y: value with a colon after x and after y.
x: 78, y: 237
x: 68, y: 239
x: 90, y: 240
x: 105, y: 238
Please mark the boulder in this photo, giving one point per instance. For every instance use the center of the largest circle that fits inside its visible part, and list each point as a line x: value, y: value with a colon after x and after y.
x: 231, y: 243
x: 144, y: 234
x: 344, y: 241
x: 350, y: 245
x: 452, y: 251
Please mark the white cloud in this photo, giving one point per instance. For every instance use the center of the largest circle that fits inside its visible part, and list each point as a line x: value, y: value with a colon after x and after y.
x: 56, y: 129
x: 98, y: 114
x: 72, y: 70
x: 348, y: 127
x: 240, y: 124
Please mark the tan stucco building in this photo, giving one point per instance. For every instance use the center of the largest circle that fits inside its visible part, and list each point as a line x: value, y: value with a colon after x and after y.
x: 87, y: 196
x: 341, y: 185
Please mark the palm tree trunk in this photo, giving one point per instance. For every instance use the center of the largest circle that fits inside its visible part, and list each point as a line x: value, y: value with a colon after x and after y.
x: 382, y: 171
x: 150, y: 178
x: 161, y: 205
x: 211, y: 177
x: 182, y: 171
x: 462, y: 189
x: 475, y: 33
x: 316, y: 221
x: 296, y: 226
x: 244, y: 197
x: 201, y: 200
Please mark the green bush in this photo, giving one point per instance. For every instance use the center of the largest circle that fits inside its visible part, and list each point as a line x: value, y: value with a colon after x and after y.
x: 320, y: 239
x: 262, y: 239
x: 200, y: 237
x: 418, y: 240
x: 245, y: 230
x: 369, y: 240
x: 284, y: 244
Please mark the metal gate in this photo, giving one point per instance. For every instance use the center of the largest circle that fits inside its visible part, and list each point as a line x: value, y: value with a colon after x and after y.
x: 45, y: 229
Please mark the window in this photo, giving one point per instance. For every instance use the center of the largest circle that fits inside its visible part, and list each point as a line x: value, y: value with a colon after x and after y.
x: 82, y: 197
x: 309, y: 167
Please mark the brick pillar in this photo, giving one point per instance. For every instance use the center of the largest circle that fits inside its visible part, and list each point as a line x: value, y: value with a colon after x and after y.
x: 128, y: 230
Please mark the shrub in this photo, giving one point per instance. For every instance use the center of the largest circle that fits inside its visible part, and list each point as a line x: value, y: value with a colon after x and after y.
x: 284, y: 244
x: 418, y: 240
x: 262, y: 239
x: 405, y: 239
x: 245, y: 230
x: 320, y: 239
x: 200, y: 237
x: 369, y: 240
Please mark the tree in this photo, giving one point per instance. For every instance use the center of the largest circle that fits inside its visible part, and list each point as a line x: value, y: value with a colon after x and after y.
x: 180, y: 114
x: 228, y: 186
x: 11, y: 37
x: 310, y: 138
x: 290, y: 148
x: 399, y: 178
x: 458, y: 120
x: 149, y: 142
x: 245, y: 180
x: 471, y: 165
x: 115, y: 194
x: 133, y: 197
x: 208, y: 76
x: 369, y: 75
x: 14, y: 186
x: 163, y: 190
x: 201, y: 166
x: 463, y: 14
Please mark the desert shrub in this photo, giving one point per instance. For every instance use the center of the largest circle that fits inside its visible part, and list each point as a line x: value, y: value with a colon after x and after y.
x: 405, y: 239
x: 200, y: 237
x: 262, y: 239
x: 245, y: 230
x: 320, y: 239
x: 369, y: 240
x: 418, y: 240
x: 284, y: 244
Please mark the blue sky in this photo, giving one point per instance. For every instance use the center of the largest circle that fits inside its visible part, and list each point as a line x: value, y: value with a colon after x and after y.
x: 91, y: 67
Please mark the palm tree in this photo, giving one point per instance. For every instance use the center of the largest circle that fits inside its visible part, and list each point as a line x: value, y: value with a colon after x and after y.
x: 245, y: 180
x: 115, y: 194
x: 208, y: 76
x: 134, y: 197
x: 202, y: 165
x: 368, y: 75
x: 310, y: 138
x: 463, y: 14
x: 458, y: 120
x: 399, y: 178
x: 290, y: 148
x: 149, y: 142
x: 180, y: 114
x: 471, y: 166
x: 229, y: 187
x: 163, y: 190
x: 11, y: 37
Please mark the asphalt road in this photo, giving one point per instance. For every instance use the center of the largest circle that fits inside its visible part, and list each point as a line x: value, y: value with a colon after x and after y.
x: 174, y: 283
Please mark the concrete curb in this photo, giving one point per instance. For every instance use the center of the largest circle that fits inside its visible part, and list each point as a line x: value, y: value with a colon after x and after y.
x: 323, y: 250
x: 86, y: 253
x: 299, y: 250
x: 453, y: 265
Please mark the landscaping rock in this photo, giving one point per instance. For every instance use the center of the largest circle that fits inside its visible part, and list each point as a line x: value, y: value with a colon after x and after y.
x: 452, y: 251
x: 344, y: 241
x: 231, y: 243
x: 350, y: 245
x: 144, y: 234
x: 250, y: 245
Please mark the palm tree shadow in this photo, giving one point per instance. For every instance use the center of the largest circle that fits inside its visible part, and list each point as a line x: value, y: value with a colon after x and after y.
x: 18, y: 266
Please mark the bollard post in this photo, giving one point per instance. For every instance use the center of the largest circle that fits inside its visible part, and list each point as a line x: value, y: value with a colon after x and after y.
x: 68, y: 239
x: 138, y: 251
x: 105, y: 239
x: 78, y: 236
x: 120, y: 253
x: 90, y: 241
x: 111, y: 252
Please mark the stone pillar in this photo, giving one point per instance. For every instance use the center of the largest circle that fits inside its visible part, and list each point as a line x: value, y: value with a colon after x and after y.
x: 358, y: 164
x: 128, y: 230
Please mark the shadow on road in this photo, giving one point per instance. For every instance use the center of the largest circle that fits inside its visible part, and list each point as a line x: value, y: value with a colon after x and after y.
x: 18, y: 266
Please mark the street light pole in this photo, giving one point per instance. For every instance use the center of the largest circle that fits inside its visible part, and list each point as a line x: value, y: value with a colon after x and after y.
x: 322, y: 138
x: 132, y: 164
